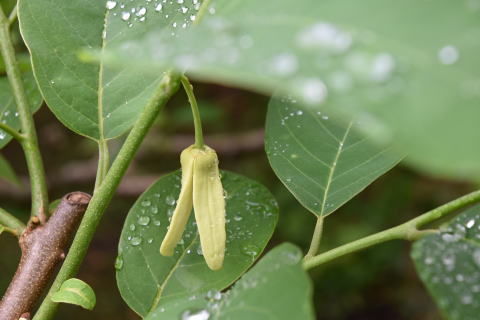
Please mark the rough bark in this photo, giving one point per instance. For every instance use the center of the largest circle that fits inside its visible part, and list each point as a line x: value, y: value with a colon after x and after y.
x: 42, y: 249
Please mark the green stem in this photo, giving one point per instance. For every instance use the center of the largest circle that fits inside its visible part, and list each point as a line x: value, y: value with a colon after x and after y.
x: 11, y: 222
x: 104, y: 193
x: 197, y: 121
x: 30, y: 143
x: 103, y: 162
x: 201, y: 12
x: 316, y: 238
x: 13, y: 15
x: 406, y: 231
x: 14, y: 133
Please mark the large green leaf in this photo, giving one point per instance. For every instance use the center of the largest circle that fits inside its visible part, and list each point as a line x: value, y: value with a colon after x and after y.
x: 93, y: 100
x: 322, y: 161
x: 409, y: 67
x: 276, y: 288
x: 144, y: 276
x: 8, y: 108
x: 449, y: 265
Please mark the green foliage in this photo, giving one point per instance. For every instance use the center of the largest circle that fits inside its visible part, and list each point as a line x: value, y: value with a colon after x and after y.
x: 7, y: 173
x: 276, y: 288
x: 449, y: 265
x: 323, y: 161
x: 90, y: 99
x: 147, y: 279
x: 75, y: 291
x: 338, y: 55
x: 8, y: 109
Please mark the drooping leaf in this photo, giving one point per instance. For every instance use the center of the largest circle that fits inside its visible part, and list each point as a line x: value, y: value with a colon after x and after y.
x: 411, y: 78
x: 146, y: 278
x: 323, y: 161
x: 92, y: 99
x: 7, y: 173
x: 75, y: 291
x: 8, y: 108
x: 449, y: 265
x: 276, y: 288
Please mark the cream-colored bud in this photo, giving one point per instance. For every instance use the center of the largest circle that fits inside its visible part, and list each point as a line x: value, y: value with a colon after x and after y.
x: 202, y: 189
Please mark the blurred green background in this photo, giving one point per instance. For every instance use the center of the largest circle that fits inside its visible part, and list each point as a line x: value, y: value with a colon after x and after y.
x: 379, y: 283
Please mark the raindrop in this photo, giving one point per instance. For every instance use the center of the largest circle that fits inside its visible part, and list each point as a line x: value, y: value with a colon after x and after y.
x: 159, y: 7
x: 125, y: 16
x: 195, y: 315
x: 313, y: 90
x: 119, y: 263
x: 132, y: 227
x: 135, y: 241
x: 214, y: 295
x: 448, y: 55
x: 170, y: 200
x: 250, y: 250
x: 284, y: 64
x: 146, y: 203
x: 470, y: 223
x: 323, y: 35
x: 144, y: 220
x: 111, y: 4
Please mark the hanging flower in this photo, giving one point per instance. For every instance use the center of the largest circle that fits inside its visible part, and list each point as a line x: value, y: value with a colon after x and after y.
x: 201, y: 190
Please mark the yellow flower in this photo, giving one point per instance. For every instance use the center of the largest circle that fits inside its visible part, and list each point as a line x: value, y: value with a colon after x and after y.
x: 201, y: 189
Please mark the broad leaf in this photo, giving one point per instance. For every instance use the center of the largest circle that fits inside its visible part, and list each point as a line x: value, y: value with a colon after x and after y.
x: 276, y: 288
x: 323, y: 161
x: 449, y: 265
x: 146, y: 278
x: 75, y: 291
x: 8, y: 108
x: 7, y: 173
x: 91, y: 99
x: 410, y: 76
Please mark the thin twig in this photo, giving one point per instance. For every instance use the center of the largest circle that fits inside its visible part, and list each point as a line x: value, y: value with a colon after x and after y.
x: 11, y: 131
x: 30, y: 143
x: 406, y: 231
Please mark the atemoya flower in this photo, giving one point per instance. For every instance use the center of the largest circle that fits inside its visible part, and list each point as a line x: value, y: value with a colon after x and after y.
x: 201, y: 189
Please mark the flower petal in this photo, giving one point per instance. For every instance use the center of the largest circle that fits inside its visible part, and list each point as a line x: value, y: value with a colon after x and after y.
x: 209, y: 207
x: 184, y: 205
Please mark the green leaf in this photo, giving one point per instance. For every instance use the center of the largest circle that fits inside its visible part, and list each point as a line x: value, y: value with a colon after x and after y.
x: 449, y: 265
x: 2, y: 228
x: 8, y: 108
x: 144, y: 276
x: 75, y: 291
x: 7, y: 173
x: 322, y: 161
x: 93, y: 100
x: 413, y: 80
x: 276, y: 288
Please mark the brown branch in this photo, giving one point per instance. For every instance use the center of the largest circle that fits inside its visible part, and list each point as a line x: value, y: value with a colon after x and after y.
x: 42, y: 249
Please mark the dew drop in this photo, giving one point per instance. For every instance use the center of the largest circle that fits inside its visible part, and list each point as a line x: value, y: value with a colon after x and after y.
x: 195, y: 315
x: 119, y: 263
x: 135, y: 241
x: 448, y: 55
x: 143, y: 220
x: 125, y: 16
x: 111, y: 4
